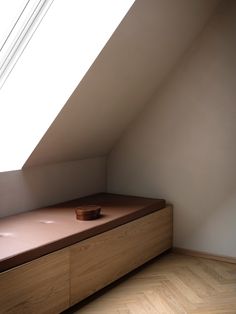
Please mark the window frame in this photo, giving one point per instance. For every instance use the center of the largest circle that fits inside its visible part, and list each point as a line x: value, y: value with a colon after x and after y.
x: 20, y: 34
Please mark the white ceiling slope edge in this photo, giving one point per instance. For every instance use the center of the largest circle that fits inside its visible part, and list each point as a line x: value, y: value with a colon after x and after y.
x: 60, y: 52
x: 146, y: 45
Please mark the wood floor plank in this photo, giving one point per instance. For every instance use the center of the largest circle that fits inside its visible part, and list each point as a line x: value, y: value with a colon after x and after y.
x: 173, y: 283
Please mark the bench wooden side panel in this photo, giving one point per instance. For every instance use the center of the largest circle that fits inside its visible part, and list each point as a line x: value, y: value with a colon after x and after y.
x: 40, y: 286
x: 102, y: 259
x: 54, y: 282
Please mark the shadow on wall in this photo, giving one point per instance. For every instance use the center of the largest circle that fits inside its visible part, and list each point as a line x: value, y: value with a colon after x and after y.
x: 182, y: 147
x: 140, y: 53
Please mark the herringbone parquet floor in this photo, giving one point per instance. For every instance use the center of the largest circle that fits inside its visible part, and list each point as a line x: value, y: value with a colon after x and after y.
x: 171, y: 284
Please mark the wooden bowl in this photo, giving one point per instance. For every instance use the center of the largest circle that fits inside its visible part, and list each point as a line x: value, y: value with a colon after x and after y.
x: 88, y: 212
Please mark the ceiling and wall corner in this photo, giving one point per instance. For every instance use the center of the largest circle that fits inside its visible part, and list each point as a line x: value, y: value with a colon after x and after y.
x: 139, y: 55
x: 182, y: 146
x: 146, y: 45
x: 54, y: 61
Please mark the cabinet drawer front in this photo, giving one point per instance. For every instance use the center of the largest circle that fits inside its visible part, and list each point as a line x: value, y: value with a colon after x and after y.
x: 100, y: 260
x: 40, y: 286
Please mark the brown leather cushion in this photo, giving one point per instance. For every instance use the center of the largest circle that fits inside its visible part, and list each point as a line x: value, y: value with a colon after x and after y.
x: 29, y: 235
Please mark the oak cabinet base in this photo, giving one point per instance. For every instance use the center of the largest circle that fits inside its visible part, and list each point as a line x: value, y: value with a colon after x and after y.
x: 40, y: 286
x: 54, y: 282
x: 100, y: 260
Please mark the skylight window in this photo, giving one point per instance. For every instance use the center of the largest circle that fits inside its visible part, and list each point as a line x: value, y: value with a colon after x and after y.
x: 56, y: 58
x: 18, y: 21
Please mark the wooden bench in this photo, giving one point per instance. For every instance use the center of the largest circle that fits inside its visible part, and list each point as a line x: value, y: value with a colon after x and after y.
x: 49, y: 261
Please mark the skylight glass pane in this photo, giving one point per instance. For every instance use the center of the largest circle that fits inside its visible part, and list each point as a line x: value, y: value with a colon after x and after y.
x: 59, y: 54
x: 18, y: 31
x: 10, y: 10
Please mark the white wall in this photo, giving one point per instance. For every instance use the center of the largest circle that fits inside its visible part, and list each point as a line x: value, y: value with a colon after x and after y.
x: 148, y: 42
x: 183, y: 145
x: 44, y: 185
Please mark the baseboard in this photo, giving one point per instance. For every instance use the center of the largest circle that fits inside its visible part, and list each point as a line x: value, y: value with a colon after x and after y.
x: 221, y: 258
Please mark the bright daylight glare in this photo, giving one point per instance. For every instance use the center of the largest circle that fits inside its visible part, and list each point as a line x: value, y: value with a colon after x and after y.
x: 60, y: 52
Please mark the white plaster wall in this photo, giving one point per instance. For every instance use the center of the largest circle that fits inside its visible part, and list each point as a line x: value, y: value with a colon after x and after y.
x: 143, y: 49
x: 183, y: 145
x: 35, y: 187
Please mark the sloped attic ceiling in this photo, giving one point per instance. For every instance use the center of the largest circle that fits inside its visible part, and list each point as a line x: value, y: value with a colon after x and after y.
x: 139, y: 55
